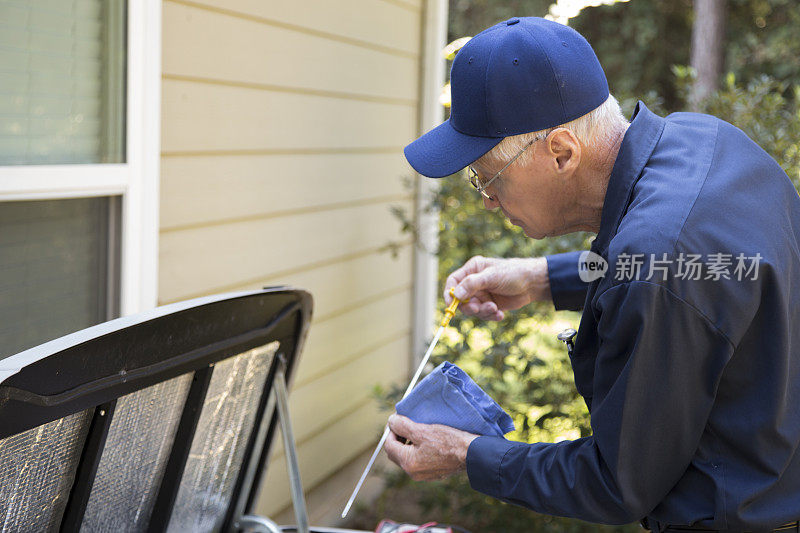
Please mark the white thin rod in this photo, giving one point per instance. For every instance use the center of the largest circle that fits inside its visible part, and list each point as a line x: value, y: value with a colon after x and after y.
x: 386, y: 430
x: 424, y: 361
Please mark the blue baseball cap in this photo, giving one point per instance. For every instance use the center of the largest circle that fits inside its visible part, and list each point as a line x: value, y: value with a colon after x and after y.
x: 525, y: 74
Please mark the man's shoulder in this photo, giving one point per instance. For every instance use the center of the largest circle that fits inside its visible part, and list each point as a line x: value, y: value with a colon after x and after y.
x: 667, y: 189
x: 683, y: 128
x: 692, y: 118
x: 703, y: 181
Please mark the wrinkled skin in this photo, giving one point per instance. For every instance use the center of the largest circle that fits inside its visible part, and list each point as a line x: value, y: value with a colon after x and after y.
x: 427, y: 451
x: 496, y: 285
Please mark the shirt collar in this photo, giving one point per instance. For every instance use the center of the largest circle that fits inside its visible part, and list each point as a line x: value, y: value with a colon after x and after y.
x: 637, y: 145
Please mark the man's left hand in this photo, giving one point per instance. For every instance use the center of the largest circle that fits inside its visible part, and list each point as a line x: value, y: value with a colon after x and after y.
x: 427, y: 451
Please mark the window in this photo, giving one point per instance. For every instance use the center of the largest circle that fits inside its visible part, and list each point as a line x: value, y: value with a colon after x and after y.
x: 79, y: 141
x: 63, y: 67
x: 58, y: 268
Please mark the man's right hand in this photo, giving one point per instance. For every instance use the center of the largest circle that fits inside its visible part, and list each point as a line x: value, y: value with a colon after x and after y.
x: 493, y: 285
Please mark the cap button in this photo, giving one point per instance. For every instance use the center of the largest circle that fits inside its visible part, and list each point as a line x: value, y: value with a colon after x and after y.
x: 512, y: 22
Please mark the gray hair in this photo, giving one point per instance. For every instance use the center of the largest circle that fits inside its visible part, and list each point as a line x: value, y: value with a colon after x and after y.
x: 596, y: 129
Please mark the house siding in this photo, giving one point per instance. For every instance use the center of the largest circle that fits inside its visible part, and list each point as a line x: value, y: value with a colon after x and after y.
x: 283, y: 125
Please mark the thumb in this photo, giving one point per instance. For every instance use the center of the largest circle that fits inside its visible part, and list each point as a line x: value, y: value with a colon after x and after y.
x: 474, y: 283
x: 402, y: 426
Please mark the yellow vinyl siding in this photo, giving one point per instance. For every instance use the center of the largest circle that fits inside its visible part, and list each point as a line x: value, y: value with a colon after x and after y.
x: 216, y: 257
x: 393, y: 27
x: 371, y: 277
x: 337, y: 341
x: 313, y: 416
x: 203, y: 190
x: 283, y: 125
x: 317, y: 64
x: 208, y: 118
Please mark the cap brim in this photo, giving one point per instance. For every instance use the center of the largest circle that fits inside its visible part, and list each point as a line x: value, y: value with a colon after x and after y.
x: 444, y: 151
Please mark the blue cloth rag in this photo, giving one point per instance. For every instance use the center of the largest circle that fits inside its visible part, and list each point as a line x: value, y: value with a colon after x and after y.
x: 449, y: 396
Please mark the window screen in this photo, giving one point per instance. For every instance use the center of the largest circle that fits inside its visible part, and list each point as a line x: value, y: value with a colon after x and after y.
x: 219, y: 443
x: 62, y: 66
x: 37, y: 468
x: 134, y: 457
x: 58, y: 268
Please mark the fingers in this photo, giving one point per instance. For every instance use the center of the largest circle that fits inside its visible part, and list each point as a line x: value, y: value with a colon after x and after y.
x: 478, y: 285
x: 490, y: 286
x: 437, y: 451
x: 398, y: 445
x: 473, y: 265
x: 473, y: 283
x: 485, y: 310
x: 402, y: 426
x: 482, y: 307
x: 396, y: 450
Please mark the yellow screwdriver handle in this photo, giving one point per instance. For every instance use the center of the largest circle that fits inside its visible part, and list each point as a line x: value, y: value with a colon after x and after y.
x: 450, y: 312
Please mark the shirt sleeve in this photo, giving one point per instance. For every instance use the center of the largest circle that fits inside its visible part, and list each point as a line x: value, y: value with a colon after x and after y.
x: 566, y: 287
x: 657, y: 371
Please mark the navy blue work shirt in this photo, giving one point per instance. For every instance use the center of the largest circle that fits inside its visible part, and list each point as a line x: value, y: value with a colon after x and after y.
x: 692, y: 381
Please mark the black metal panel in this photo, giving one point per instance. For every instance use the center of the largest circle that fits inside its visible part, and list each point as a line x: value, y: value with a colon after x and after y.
x: 79, y: 373
x: 244, y: 495
x: 95, y: 366
x: 173, y: 472
x: 87, y: 468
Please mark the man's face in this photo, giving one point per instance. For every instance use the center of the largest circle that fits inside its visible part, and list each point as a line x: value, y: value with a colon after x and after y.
x: 531, y: 194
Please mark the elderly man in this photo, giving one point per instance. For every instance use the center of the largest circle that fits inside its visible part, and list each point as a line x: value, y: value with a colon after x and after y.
x: 688, y: 351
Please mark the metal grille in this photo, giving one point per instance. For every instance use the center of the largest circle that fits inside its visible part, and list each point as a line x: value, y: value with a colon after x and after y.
x: 37, y: 469
x: 134, y: 457
x: 219, y: 443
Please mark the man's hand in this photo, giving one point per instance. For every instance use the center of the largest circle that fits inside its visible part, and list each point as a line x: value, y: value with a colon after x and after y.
x: 427, y: 451
x: 495, y: 285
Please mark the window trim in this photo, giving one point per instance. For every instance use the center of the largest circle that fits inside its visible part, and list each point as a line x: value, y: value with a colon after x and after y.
x: 136, y: 181
x: 431, y: 113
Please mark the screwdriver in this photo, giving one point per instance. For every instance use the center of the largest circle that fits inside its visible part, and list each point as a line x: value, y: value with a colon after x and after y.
x: 448, y: 314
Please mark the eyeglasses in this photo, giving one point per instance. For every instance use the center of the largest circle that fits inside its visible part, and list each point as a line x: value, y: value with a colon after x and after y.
x: 475, y: 181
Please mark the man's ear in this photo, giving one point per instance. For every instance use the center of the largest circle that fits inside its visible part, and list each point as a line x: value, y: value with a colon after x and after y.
x: 565, y: 149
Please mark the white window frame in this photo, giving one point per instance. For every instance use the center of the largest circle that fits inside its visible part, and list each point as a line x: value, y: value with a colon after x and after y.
x: 136, y: 181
